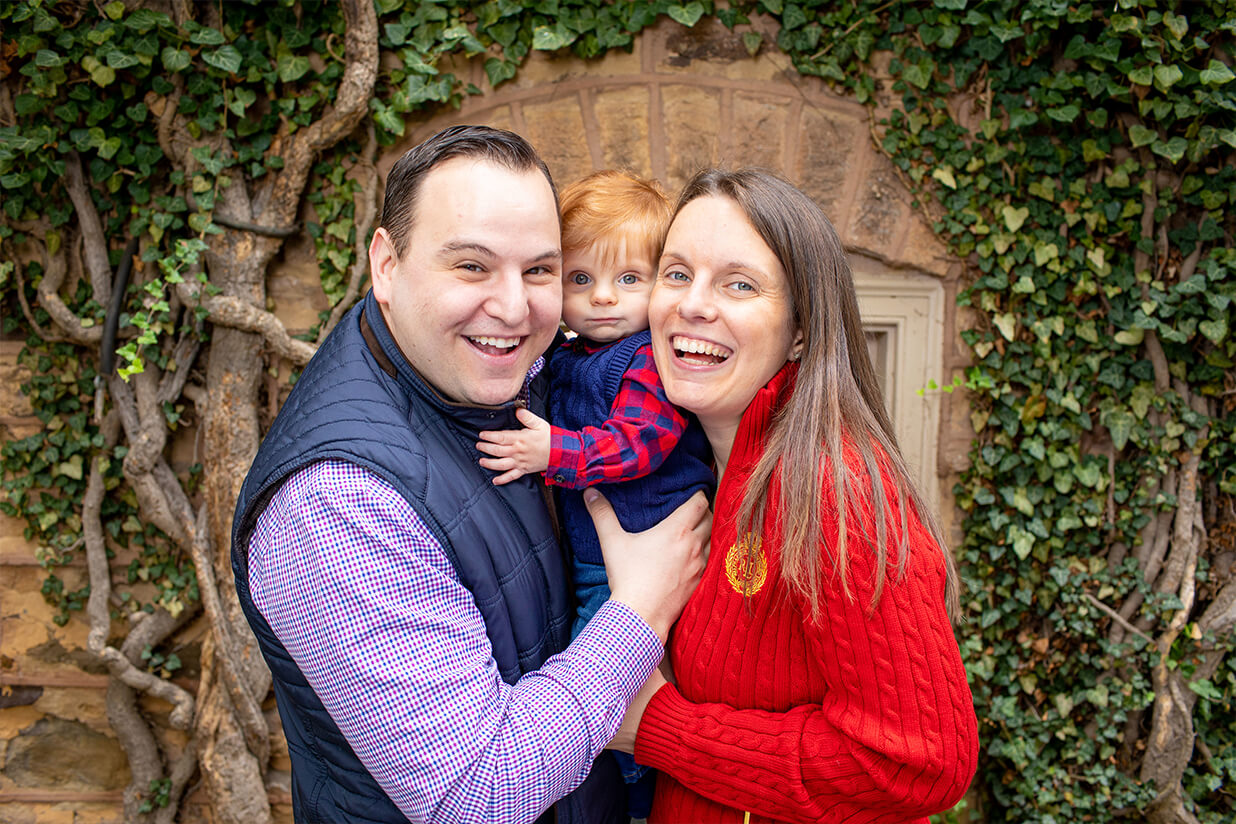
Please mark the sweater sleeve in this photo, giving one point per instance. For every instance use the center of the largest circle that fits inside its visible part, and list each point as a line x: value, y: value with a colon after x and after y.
x: 895, y: 737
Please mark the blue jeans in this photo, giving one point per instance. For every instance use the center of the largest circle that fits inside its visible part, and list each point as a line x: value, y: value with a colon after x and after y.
x: 592, y: 590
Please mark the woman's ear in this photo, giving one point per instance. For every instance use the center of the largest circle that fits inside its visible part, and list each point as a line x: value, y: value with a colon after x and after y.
x: 382, y: 263
x: 796, y: 348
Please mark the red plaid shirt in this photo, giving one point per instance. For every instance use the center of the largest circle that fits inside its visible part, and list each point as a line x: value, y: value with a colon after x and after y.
x: 643, y: 428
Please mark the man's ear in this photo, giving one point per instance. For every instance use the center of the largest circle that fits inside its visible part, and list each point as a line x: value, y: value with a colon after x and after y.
x: 382, y: 264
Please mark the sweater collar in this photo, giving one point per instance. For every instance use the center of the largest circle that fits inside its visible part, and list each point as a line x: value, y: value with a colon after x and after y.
x: 757, y: 420
x: 391, y: 359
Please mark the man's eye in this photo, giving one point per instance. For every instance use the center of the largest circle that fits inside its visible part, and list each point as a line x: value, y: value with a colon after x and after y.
x: 539, y: 271
x: 471, y: 267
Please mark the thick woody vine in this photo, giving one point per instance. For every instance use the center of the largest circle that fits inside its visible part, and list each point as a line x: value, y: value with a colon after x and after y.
x: 1076, y: 157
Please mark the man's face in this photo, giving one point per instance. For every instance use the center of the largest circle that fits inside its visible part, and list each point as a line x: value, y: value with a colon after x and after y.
x: 476, y: 295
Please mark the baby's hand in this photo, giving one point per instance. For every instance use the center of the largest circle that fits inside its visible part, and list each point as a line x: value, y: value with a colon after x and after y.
x: 516, y: 452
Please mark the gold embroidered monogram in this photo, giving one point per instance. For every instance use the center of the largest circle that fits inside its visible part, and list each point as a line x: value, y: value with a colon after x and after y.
x: 746, y: 571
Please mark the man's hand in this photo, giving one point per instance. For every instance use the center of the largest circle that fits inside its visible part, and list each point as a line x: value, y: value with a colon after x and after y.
x: 654, y: 572
x: 517, y: 452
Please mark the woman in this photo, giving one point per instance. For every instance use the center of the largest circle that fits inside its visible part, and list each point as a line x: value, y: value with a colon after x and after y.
x: 817, y: 674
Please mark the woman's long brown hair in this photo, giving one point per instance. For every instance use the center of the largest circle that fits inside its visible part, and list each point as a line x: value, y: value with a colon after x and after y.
x: 836, y: 403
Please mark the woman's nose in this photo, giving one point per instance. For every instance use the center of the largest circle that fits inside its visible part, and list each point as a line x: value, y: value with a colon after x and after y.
x: 697, y: 302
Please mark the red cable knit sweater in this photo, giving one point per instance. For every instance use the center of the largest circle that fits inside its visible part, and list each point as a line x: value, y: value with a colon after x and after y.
x: 854, y: 718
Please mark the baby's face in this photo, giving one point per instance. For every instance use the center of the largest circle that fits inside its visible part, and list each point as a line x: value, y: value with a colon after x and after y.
x: 605, y: 296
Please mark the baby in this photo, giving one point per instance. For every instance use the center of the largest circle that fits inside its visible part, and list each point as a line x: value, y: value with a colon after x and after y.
x: 613, y: 427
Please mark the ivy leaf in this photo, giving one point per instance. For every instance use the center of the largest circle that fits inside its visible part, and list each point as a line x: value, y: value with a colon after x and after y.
x: 545, y: 38
x: 1173, y: 149
x: 1206, y: 690
x: 1021, y: 540
x: 1044, y: 252
x: 751, y: 40
x: 1178, y: 25
x: 499, y: 70
x: 206, y: 36
x: 1065, y: 114
x: 919, y: 74
x: 1166, y: 76
x: 1119, y: 424
x: 945, y: 175
x: 1014, y: 217
x: 1130, y: 337
x: 1216, y: 74
x: 1142, y: 76
x: 1214, y: 330
x: 242, y: 99
x: 291, y: 67
x: 175, y: 60
x: 792, y: 18
x: 72, y: 468
x: 690, y: 14
x: 1007, y: 324
x: 1005, y: 32
x: 1141, y: 136
x: 225, y: 59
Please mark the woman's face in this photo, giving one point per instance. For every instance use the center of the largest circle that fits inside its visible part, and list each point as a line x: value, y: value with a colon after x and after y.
x: 720, y: 312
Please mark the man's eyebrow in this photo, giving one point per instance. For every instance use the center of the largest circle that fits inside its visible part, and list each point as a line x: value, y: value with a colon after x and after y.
x: 552, y: 254
x: 466, y: 246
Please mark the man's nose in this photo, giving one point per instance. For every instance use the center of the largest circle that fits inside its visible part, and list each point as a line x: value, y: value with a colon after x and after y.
x: 508, y: 299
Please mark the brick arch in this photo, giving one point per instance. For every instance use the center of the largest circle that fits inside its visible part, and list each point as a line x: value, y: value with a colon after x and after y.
x: 684, y: 99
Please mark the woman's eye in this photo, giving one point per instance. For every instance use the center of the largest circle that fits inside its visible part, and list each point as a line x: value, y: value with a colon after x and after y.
x: 675, y: 276
x: 742, y: 286
x: 580, y: 279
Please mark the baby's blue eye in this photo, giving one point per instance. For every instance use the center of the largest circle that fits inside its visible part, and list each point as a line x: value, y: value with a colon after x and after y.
x: 629, y: 279
x: 580, y: 278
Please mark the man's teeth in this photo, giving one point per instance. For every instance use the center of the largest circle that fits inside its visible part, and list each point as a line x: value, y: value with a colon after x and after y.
x: 501, y: 343
x: 700, y: 347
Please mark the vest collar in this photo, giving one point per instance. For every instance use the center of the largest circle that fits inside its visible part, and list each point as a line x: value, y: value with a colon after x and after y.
x: 391, y: 359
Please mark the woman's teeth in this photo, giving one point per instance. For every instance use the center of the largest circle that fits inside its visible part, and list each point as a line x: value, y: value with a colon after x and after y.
x: 710, y: 352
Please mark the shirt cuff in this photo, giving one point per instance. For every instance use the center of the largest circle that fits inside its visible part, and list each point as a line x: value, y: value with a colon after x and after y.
x: 610, y: 660
x: 562, y: 467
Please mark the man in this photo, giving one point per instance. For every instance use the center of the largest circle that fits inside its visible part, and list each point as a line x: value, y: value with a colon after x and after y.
x: 415, y: 616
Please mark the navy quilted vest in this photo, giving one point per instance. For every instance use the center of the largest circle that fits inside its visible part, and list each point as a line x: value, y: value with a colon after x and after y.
x: 582, y: 393
x: 359, y: 400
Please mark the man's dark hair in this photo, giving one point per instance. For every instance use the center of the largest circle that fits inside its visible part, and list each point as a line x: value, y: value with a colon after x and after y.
x: 481, y: 142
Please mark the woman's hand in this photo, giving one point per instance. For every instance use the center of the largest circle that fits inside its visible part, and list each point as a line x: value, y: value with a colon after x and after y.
x: 654, y: 572
x: 624, y: 739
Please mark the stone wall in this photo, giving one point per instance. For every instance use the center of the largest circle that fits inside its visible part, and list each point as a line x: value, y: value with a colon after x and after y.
x: 682, y: 99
